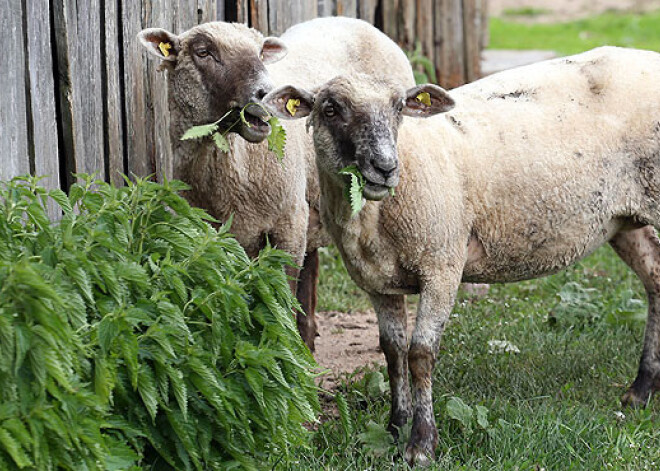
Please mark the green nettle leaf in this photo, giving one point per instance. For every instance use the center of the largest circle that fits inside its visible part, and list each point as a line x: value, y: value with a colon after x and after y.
x: 344, y: 416
x: 353, y: 192
x: 276, y: 138
x: 133, y: 335
x: 221, y: 142
x: 200, y: 131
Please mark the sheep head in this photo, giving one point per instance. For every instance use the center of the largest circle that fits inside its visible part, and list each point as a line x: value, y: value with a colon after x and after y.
x: 216, y: 68
x: 356, y: 122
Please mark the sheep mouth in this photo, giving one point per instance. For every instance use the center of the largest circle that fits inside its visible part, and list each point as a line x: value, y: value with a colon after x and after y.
x: 375, y: 191
x: 255, y: 127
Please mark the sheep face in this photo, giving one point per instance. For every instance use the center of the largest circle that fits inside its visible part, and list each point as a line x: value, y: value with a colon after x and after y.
x: 356, y: 121
x: 215, y: 69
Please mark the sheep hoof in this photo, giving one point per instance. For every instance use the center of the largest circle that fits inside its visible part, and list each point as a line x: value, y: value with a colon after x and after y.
x: 418, y: 456
x: 634, y: 400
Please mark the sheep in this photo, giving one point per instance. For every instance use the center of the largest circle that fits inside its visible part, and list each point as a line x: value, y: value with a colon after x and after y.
x: 218, y: 67
x: 533, y: 170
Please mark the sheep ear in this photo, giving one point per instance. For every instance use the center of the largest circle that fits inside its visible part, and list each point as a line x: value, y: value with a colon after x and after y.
x: 272, y: 50
x: 160, y: 43
x: 427, y: 100
x: 289, y: 102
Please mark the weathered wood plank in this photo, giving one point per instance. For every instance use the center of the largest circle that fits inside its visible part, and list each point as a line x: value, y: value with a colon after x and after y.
x: 206, y: 11
x: 114, y: 104
x: 158, y: 98
x: 424, y: 27
x: 472, y: 36
x: 407, y: 17
x: 242, y: 11
x: 449, y: 41
x: 367, y: 10
x: 326, y: 7
x: 42, y: 93
x: 347, y: 8
x: 282, y: 14
x: 13, y: 110
x: 259, y: 15
x: 390, y: 9
x: 134, y: 83
x: 78, y: 35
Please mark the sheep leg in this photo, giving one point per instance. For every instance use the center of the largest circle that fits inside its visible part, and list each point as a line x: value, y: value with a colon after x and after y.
x: 436, y: 300
x: 306, y: 294
x: 290, y: 236
x: 640, y: 249
x: 392, y: 320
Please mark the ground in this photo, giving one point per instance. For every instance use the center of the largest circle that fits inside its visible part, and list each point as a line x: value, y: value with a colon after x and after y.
x: 349, y: 341
x: 565, y: 10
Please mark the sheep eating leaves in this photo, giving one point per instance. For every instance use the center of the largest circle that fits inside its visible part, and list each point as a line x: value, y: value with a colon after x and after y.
x: 532, y: 170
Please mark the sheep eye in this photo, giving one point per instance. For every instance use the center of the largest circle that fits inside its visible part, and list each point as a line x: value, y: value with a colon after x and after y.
x: 329, y: 110
x: 202, y: 53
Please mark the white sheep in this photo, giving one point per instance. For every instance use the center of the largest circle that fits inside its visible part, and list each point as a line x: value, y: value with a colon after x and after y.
x: 217, y: 67
x: 533, y: 170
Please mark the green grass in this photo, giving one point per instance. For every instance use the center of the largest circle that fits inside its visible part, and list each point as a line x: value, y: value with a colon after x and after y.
x: 629, y: 30
x: 526, y: 11
x: 552, y: 406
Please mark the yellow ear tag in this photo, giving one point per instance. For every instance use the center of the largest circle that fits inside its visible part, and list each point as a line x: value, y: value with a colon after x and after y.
x: 292, y: 106
x: 165, y: 48
x: 425, y: 98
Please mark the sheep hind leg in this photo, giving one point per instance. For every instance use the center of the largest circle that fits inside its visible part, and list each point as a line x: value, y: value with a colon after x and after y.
x: 392, y: 320
x: 306, y: 294
x: 640, y: 249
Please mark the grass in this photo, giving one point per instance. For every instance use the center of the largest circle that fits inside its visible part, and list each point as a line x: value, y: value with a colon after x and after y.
x: 553, y: 406
x: 629, y: 30
x: 526, y: 11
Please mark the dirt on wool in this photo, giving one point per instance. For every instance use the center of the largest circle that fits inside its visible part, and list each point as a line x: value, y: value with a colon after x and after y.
x: 349, y: 341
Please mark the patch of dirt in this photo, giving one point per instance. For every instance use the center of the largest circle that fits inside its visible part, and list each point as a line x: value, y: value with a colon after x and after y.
x: 349, y: 341
x: 567, y: 10
x: 346, y: 342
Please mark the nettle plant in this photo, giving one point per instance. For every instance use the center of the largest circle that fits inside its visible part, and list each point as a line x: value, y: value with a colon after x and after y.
x: 134, y: 335
x: 276, y: 137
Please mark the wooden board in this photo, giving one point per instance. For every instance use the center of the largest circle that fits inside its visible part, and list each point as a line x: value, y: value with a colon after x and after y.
x: 114, y: 103
x: 134, y: 83
x: 367, y: 10
x: 157, y: 97
x: 347, y: 8
x: 42, y: 93
x: 13, y: 106
x: 81, y: 40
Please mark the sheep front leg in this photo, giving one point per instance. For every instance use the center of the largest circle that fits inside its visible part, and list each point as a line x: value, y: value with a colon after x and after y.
x: 640, y: 249
x: 306, y: 294
x: 392, y: 320
x: 436, y: 300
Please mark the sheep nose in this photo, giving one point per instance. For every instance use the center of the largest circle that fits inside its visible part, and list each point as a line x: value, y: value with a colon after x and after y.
x: 261, y: 93
x: 385, y: 167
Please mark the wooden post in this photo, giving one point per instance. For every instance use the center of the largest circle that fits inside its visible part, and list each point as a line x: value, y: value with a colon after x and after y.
x: 114, y: 126
x: 13, y: 106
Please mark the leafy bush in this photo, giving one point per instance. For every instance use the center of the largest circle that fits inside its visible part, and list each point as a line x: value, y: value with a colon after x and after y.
x: 133, y: 334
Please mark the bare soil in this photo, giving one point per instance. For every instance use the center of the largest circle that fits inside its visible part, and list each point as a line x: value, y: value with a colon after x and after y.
x: 349, y: 341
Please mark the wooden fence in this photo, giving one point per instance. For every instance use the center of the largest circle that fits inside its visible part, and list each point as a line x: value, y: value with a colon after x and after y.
x: 77, y: 93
